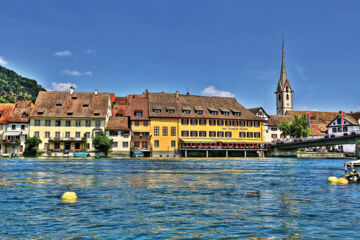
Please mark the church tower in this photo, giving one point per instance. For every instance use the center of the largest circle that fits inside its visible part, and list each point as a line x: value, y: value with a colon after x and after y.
x: 284, y: 92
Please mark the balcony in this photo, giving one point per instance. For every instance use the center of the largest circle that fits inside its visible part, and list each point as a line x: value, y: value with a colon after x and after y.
x: 141, y: 137
x: 72, y: 139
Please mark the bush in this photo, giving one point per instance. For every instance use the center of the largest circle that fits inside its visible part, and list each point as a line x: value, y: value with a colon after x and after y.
x: 102, y: 143
x: 31, y: 146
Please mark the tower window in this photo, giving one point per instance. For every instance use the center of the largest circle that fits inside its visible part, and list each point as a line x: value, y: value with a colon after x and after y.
x: 279, y: 97
x: 287, y: 96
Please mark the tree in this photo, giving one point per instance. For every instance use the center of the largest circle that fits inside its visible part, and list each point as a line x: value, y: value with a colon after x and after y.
x: 31, y: 146
x: 297, y: 128
x: 102, y: 143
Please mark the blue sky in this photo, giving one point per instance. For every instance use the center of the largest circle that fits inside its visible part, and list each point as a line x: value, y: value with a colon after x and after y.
x: 227, y: 47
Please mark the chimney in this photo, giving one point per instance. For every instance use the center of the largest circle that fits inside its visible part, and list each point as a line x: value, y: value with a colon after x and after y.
x: 187, y: 92
x: 96, y: 92
x: 147, y: 93
x: 177, y: 94
x: 71, y: 90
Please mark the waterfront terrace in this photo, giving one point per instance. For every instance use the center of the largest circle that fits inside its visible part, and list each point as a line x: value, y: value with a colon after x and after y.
x: 63, y: 119
x: 190, y: 125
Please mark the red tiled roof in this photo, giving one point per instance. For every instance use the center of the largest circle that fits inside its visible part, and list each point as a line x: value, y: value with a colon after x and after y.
x: 64, y: 104
x: 318, y: 120
x: 137, y: 103
x: 6, y: 110
x: 117, y: 123
x: 21, y: 112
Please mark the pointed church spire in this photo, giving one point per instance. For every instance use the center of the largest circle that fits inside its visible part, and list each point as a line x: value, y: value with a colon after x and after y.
x: 283, y: 81
x: 283, y: 75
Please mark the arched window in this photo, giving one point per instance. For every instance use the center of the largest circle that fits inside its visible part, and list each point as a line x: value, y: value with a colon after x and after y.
x: 279, y: 97
x: 287, y: 96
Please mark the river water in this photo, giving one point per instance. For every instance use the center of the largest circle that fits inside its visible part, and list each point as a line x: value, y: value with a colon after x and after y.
x: 177, y: 199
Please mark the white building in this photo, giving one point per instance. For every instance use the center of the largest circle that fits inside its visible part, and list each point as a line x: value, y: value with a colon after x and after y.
x: 17, y: 129
x: 6, y: 110
x: 271, y: 125
x: 351, y: 123
x: 118, y: 131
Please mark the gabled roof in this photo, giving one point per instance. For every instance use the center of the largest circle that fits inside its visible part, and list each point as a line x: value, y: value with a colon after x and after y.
x: 137, y: 102
x: 117, y: 123
x: 348, y: 117
x: 190, y: 102
x: 318, y: 120
x: 257, y: 109
x: 21, y: 112
x: 6, y: 110
x: 276, y: 120
x: 64, y: 104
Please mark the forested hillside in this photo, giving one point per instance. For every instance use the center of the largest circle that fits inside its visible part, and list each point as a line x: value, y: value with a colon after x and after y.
x: 14, y: 87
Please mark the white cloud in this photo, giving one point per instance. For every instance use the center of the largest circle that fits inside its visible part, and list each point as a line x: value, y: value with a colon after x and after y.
x: 88, y: 51
x: 212, y: 91
x: 63, y: 86
x: 65, y: 53
x: 2, y: 61
x: 76, y: 73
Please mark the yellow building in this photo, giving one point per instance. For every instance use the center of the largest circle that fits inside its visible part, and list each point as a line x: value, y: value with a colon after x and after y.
x: 69, y: 120
x: 189, y: 125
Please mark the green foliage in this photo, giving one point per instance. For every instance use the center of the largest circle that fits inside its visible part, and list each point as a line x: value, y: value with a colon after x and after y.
x: 297, y: 128
x: 14, y: 87
x: 85, y: 142
x: 102, y: 143
x: 31, y: 146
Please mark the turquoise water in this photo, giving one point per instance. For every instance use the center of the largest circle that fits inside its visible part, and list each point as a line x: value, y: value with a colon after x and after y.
x: 176, y: 199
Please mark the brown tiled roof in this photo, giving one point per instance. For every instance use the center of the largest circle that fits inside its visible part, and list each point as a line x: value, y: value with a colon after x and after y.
x: 275, y: 120
x: 355, y: 115
x: 318, y: 120
x: 117, y: 123
x: 21, y: 112
x: 350, y: 117
x: 6, y: 110
x: 48, y: 101
x: 185, y: 102
x: 137, y: 103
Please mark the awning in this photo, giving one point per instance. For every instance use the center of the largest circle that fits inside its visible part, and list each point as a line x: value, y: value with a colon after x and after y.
x: 235, y: 110
x: 13, y: 133
x: 216, y: 140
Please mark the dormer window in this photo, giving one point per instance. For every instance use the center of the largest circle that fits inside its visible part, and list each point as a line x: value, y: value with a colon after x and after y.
x: 96, y: 114
x: 238, y: 114
x: 214, y: 112
x: 85, y: 105
x: 170, y: 110
x: 70, y: 113
x: 225, y: 113
x: 199, y: 111
x: 74, y: 97
x: 58, y: 104
x: 186, y: 110
x: 24, y: 115
x: 41, y: 112
x: 138, y: 113
x: 118, y: 115
x: 157, y: 110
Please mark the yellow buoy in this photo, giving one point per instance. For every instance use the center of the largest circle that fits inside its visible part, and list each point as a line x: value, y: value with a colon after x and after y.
x: 69, y: 197
x: 342, y: 181
x: 332, y: 179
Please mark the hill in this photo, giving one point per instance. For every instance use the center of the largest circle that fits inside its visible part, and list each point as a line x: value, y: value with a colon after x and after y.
x: 14, y: 87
